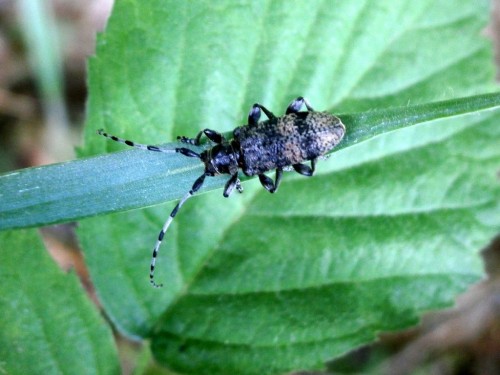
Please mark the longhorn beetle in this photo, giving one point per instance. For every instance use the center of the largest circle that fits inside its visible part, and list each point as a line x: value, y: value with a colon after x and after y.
x: 258, y: 147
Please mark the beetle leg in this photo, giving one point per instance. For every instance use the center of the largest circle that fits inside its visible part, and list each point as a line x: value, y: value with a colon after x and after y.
x: 267, y: 112
x: 239, y: 186
x: 232, y: 183
x: 277, y: 180
x: 297, y: 104
x: 187, y: 152
x: 254, y: 114
x: 304, y: 169
x: 191, y: 141
x: 214, y: 136
x: 268, y: 183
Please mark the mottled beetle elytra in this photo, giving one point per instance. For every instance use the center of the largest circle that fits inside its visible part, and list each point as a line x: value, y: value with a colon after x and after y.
x: 256, y: 148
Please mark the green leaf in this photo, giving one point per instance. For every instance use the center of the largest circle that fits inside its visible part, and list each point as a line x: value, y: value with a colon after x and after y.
x: 48, y: 324
x: 51, y: 194
x: 387, y: 228
x: 259, y: 283
x: 294, y: 280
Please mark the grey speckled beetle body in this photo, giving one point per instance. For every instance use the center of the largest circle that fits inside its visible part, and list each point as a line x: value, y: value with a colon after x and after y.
x: 276, y: 143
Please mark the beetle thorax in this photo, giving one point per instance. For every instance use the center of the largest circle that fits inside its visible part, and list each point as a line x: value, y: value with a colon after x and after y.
x: 220, y: 159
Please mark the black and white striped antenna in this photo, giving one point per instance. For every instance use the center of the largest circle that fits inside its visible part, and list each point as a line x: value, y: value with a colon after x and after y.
x: 196, y: 186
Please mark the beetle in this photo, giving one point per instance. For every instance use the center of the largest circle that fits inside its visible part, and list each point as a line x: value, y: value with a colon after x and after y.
x: 277, y: 143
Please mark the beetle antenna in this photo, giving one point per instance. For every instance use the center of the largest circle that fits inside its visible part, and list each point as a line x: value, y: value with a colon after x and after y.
x: 196, y: 186
x: 182, y: 150
x: 134, y: 144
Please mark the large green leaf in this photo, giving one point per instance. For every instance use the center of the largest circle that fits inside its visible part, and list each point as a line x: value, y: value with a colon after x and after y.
x: 388, y: 228
x: 48, y: 324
